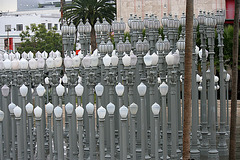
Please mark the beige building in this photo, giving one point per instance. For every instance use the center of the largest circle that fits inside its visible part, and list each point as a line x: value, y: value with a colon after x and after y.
x: 158, y: 7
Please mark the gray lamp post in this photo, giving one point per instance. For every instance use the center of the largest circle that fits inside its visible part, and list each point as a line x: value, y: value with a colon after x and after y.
x: 49, y: 110
x: 81, y: 37
x: 98, y: 28
x: 46, y: 80
x: 11, y: 107
x: 144, y: 149
x: 163, y: 88
x: 90, y: 111
x: 29, y: 109
x: 133, y: 110
x: 79, y: 114
x: 111, y: 110
x: 101, y: 114
x: 227, y: 82
x: 58, y: 116
x: 123, y: 111
x: 156, y: 110
x: 202, y: 54
x: 5, y: 92
x: 72, y: 32
x: 69, y: 109
x: 165, y: 24
x: 1, y: 129
x: 17, y: 112
x: 183, y: 23
x: 65, y: 31
x: 40, y: 141
x: 222, y: 146
x: 210, y: 23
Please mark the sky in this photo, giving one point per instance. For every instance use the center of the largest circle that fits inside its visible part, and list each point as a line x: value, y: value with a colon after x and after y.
x: 8, y: 5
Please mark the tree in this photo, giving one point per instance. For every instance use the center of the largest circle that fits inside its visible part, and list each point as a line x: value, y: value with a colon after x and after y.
x: 187, y: 80
x: 232, y: 149
x: 91, y: 10
x: 41, y: 40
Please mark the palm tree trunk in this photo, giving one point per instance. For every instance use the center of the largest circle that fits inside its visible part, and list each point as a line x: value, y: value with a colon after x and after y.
x: 187, y: 80
x: 93, y: 39
x: 232, y: 149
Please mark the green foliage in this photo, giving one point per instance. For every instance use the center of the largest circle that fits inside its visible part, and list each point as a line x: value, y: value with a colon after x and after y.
x: 41, y: 40
x: 91, y: 10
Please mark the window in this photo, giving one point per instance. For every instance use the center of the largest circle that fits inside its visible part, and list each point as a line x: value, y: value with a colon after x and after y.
x: 56, y: 26
x: 7, y: 28
x: 19, y: 27
x: 49, y: 25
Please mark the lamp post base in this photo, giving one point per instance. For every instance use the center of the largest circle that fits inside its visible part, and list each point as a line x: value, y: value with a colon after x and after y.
x: 213, y: 154
x: 195, y: 154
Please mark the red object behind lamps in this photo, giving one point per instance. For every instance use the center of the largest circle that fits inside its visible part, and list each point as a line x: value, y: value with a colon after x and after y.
x: 10, y: 44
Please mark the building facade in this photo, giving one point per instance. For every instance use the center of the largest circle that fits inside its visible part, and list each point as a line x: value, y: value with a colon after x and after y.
x: 159, y: 7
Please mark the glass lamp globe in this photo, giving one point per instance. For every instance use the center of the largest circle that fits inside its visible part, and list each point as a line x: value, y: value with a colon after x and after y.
x: 98, y: 26
x: 24, y: 55
x: 40, y: 90
x: 11, y: 107
x: 159, y: 44
x: 46, y: 80
x: 30, y: 55
x: 109, y: 46
x: 58, y: 62
x: 29, y: 108
x: 142, y: 88
x: 79, y: 112
x: 38, y: 55
x: 7, y: 64
x: 94, y: 60
x: 86, y: 61
x: 79, y: 90
x: 126, y: 60
x: 17, y: 112
x: 166, y: 44
x: 127, y: 45
x: 163, y: 88
x: 60, y: 90
x: 81, y: 27
x: 1, y: 115
x: 58, y: 112
x: 33, y: 63
x: 76, y: 61
x: 200, y: 88
x: 176, y: 57
x: 170, y: 58
x: 114, y: 60
x: 111, y: 108
x: 119, y: 88
x: 101, y: 112
x: 23, y: 64
x: 68, y: 62
x: 23, y: 90
x: 123, y: 111
x: 133, y: 108
x: 90, y: 108
x: 133, y: 58
x: 72, y: 28
x: 145, y: 45
x: 40, y: 63
x: 147, y: 59
x: 198, y: 78
x: 44, y: 55
x: 5, y: 90
x: 49, y: 108
x: 122, y: 25
x: 154, y: 59
x: 65, y: 28
x: 50, y: 63
x: 65, y: 79
x: 69, y: 108
x: 216, y: 79
x: 99, y: 89
x: 15, y: 64
x: 181, y: 43
x: 17, y: 55
x: 156, y: 109
x: 106, y: 60
x: 227, y: 77
x: 87, y: 27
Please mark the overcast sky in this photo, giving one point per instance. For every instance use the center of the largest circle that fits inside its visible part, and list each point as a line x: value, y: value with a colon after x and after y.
x: 8, y: 5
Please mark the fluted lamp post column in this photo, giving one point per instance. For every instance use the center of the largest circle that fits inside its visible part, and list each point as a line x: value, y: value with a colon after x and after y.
x: 123, y: 111
x: 11, y: 107
x: 5, y: 93
x: 58, y: 115
x: 1, y: 129
x: 163, y: 88
x: 17, y: 112
x: 111, y: 110
x: 29, y: 109
x: 49, y: 110
x: 156, y: 109
x: 40, y: 141
x: 133, y: 110
x: 69, y: 110
x: 79, y: 114
x: 101, y: 115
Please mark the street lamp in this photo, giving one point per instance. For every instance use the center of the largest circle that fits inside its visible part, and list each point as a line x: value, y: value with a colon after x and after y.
x: 11, y: 107
x: 17, y: 112
x: 123, y: 111
x: 111, y: 109
x: 101, y: 114
x: 79, y: 114
x: 49, y: 110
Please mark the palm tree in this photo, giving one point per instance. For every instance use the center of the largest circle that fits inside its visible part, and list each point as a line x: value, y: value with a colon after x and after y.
x: 91, y: 10
x: 232, y: 149
x: 187, y: 80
